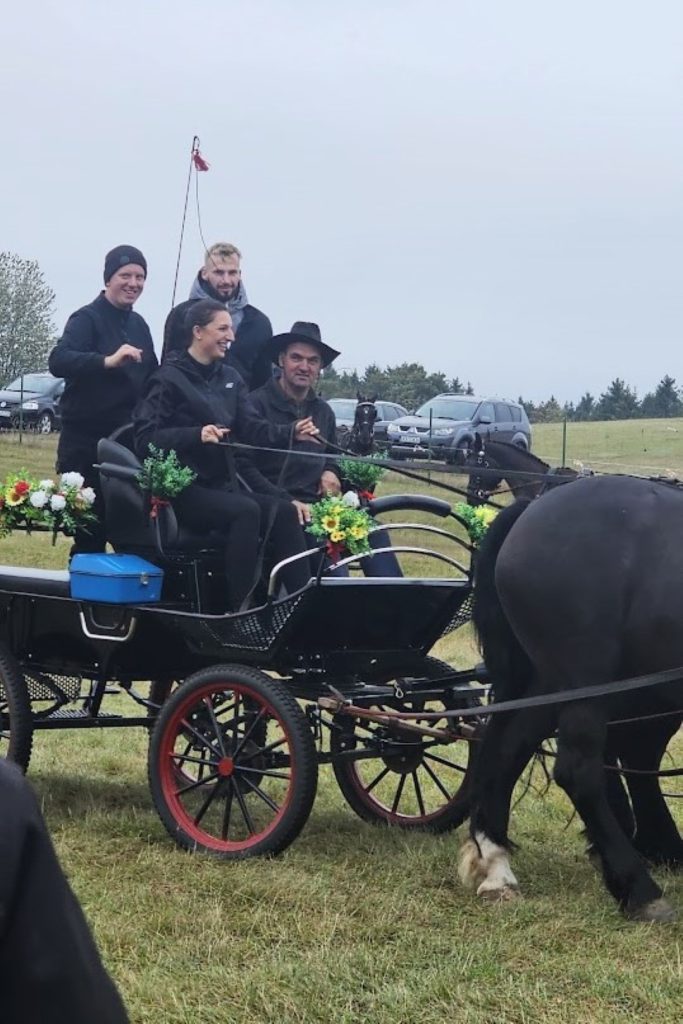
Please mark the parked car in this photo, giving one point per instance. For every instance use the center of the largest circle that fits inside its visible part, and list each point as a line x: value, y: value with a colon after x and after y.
x: 445, y: 427
x: 345, y: 411
x: 33, y: 401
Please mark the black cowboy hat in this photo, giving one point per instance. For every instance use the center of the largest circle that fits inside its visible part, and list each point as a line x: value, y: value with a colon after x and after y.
x: 301, y: 331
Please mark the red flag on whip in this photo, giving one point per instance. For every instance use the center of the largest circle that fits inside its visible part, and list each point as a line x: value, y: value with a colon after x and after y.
x: 197, y: 158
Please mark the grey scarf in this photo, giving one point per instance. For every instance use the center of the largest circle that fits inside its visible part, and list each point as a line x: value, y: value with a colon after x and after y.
x: 235, y: 306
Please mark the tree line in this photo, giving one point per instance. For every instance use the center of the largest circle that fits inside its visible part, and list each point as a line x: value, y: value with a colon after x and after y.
x: 27, y: 334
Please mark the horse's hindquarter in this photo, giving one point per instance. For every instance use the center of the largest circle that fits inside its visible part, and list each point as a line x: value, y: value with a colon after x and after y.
x: 591, y: 579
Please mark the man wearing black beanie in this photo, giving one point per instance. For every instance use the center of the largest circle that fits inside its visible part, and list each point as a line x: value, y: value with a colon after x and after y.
x: 105, y: 356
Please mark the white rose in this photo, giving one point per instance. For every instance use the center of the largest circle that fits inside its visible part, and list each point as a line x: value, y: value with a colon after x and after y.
x: 47, y: 485
x: 38, y: 499
x: 72, y: 480
x: 351, y: 499
x: 57, y: 502
x: 88, y: 495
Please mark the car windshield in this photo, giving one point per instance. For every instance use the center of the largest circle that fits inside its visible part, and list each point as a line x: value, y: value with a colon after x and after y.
x: 448, y: 409
x: 37, y: 383
x: 344, y: 409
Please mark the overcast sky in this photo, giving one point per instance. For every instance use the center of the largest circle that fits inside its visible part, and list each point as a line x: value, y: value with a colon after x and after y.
x: 491, y: 188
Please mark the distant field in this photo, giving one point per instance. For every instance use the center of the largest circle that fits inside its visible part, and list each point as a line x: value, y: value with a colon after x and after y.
x: 352, y: 923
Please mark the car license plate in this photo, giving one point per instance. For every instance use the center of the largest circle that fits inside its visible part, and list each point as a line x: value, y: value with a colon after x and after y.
x: 5, y: 412
x: 410, y: 438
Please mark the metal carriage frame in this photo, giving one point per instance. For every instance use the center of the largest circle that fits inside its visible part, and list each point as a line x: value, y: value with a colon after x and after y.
x: 244, y: 708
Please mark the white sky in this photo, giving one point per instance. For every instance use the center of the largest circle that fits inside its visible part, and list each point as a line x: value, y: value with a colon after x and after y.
x: 490, y: 188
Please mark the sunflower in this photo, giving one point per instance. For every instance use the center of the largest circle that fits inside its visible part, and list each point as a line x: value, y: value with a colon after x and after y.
x: 330, y: 523
x: 337, y: 536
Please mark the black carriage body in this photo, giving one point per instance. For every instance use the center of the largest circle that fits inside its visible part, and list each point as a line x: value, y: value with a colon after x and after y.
x: 332, y: 628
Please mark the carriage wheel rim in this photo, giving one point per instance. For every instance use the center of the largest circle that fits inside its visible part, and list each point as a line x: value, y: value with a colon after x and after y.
x: 168, y: 770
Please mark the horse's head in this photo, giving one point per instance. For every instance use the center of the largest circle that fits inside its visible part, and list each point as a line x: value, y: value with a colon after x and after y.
x: 362, y: 440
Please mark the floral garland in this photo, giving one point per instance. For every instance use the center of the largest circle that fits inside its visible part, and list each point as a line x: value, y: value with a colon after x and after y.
x: 362, y: 476
x: 163, y: 478
x: 342, y: 524
x: 477, y: 519
x: 62, y: 506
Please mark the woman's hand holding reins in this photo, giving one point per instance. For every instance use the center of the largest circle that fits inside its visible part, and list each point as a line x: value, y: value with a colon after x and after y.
x: 212, y: 434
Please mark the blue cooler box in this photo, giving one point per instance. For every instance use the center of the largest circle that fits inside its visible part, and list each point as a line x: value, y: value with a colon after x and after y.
x: 115, y: 579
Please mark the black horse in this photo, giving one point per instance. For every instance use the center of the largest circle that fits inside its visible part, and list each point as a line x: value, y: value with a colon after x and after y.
x: 582, y: 588
x: 525, y: 474
x: 360, y: 439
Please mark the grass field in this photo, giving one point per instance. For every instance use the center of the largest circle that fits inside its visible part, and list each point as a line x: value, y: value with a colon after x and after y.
x: 352, y: 923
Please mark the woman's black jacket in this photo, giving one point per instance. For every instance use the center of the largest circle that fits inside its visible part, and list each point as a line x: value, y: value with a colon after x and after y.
x: 182, y: 397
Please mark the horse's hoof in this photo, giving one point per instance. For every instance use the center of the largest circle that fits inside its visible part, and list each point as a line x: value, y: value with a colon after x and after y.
x: 656, y: 911
x: 506, y: 894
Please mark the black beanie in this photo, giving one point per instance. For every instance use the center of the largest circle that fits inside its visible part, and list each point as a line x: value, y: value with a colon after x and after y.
x: 121, y: 256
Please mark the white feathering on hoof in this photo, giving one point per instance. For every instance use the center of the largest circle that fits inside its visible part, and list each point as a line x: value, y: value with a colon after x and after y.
x: 485, y: 865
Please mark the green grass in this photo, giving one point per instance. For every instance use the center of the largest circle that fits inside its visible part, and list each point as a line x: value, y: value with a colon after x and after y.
x: 352, y: 923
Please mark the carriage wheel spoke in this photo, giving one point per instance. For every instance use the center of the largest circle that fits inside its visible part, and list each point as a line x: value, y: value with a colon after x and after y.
x: 443, y: 760
x: 264, y: 796
x: 376, y: 780
x: 265, y: 771
x: 398, y: 794
x: 227, y: 809
x: 216, y: 727
x: 248, y: 732
x: 418, y: 793
x: 248, y: 820
x: 436, y: 780
x: 198, y: 736
x: 265, y: 750
x: 195, y: 785
x: 207, y: 803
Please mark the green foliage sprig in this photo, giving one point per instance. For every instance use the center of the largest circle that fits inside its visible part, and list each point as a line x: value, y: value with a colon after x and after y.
x: 162, y: 476
x: 364, y: 476
x: 477, y: 519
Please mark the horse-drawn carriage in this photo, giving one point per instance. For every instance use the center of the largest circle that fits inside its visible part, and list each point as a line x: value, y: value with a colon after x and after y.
x: 243, y: 708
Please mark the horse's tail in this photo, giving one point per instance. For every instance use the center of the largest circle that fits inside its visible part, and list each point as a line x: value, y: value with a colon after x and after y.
x: 507, y: 662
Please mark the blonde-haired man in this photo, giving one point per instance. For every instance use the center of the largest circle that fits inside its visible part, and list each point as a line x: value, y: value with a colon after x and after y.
x: 220, y: 278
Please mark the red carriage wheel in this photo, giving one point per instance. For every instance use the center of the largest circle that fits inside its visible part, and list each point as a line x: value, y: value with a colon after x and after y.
x: 232, y: 764
x: 16, y: 720
x: 411, y: 781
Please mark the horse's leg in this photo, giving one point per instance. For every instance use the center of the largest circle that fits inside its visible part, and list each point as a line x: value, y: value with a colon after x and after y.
x: 508, y: 744
x: 657, y: 838
x: 579, y: 771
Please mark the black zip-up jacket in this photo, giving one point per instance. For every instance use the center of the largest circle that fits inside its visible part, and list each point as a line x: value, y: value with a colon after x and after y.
x: 50, y: 969
x: 182, y: 397
x: 301, y: 476
x: 246, y: 354
x: 95, y: 399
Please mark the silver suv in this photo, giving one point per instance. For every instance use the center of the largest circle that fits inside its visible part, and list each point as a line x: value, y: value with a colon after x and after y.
x: 444, y: 427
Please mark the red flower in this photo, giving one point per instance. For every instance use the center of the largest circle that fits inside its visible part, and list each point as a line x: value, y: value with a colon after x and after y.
x: 21, y: 487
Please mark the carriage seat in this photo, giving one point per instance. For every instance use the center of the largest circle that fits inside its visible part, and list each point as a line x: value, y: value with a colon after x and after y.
x: 128, y: 525
x: 43, y: 582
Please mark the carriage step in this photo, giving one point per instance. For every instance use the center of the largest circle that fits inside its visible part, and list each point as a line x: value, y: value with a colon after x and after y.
x: 73, y: 714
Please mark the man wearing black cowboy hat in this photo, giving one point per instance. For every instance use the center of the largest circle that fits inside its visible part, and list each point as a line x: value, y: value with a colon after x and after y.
x: 301, y: 354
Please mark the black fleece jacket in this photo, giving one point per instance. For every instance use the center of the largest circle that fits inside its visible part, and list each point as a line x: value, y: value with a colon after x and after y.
x: 95, y: 399
x: 50, y: 969
x: 301, y: 475
x: 247, y: 354
x: 182, y: 397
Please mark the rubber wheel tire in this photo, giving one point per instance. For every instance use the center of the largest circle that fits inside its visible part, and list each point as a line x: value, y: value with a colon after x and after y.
x: 44, y: 423
x: 16, y: 719
x: 254, y: 761
x: 365, y: 800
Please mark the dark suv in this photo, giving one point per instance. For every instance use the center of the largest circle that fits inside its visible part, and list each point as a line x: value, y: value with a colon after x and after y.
x: 445, y: 427
x: 32, y: 400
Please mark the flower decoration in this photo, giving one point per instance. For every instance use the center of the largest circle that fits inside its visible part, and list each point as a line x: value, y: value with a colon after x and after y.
x: 477, y: 519
x: 363, y: 475
x: 163, y: 477
x: 62, y: 506
x: 342, y: 525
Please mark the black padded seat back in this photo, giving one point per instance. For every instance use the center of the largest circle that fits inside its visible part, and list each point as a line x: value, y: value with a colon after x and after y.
x: 127, y: 515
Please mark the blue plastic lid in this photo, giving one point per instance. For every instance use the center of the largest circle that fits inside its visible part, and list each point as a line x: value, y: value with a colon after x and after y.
x: 105, y: 564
